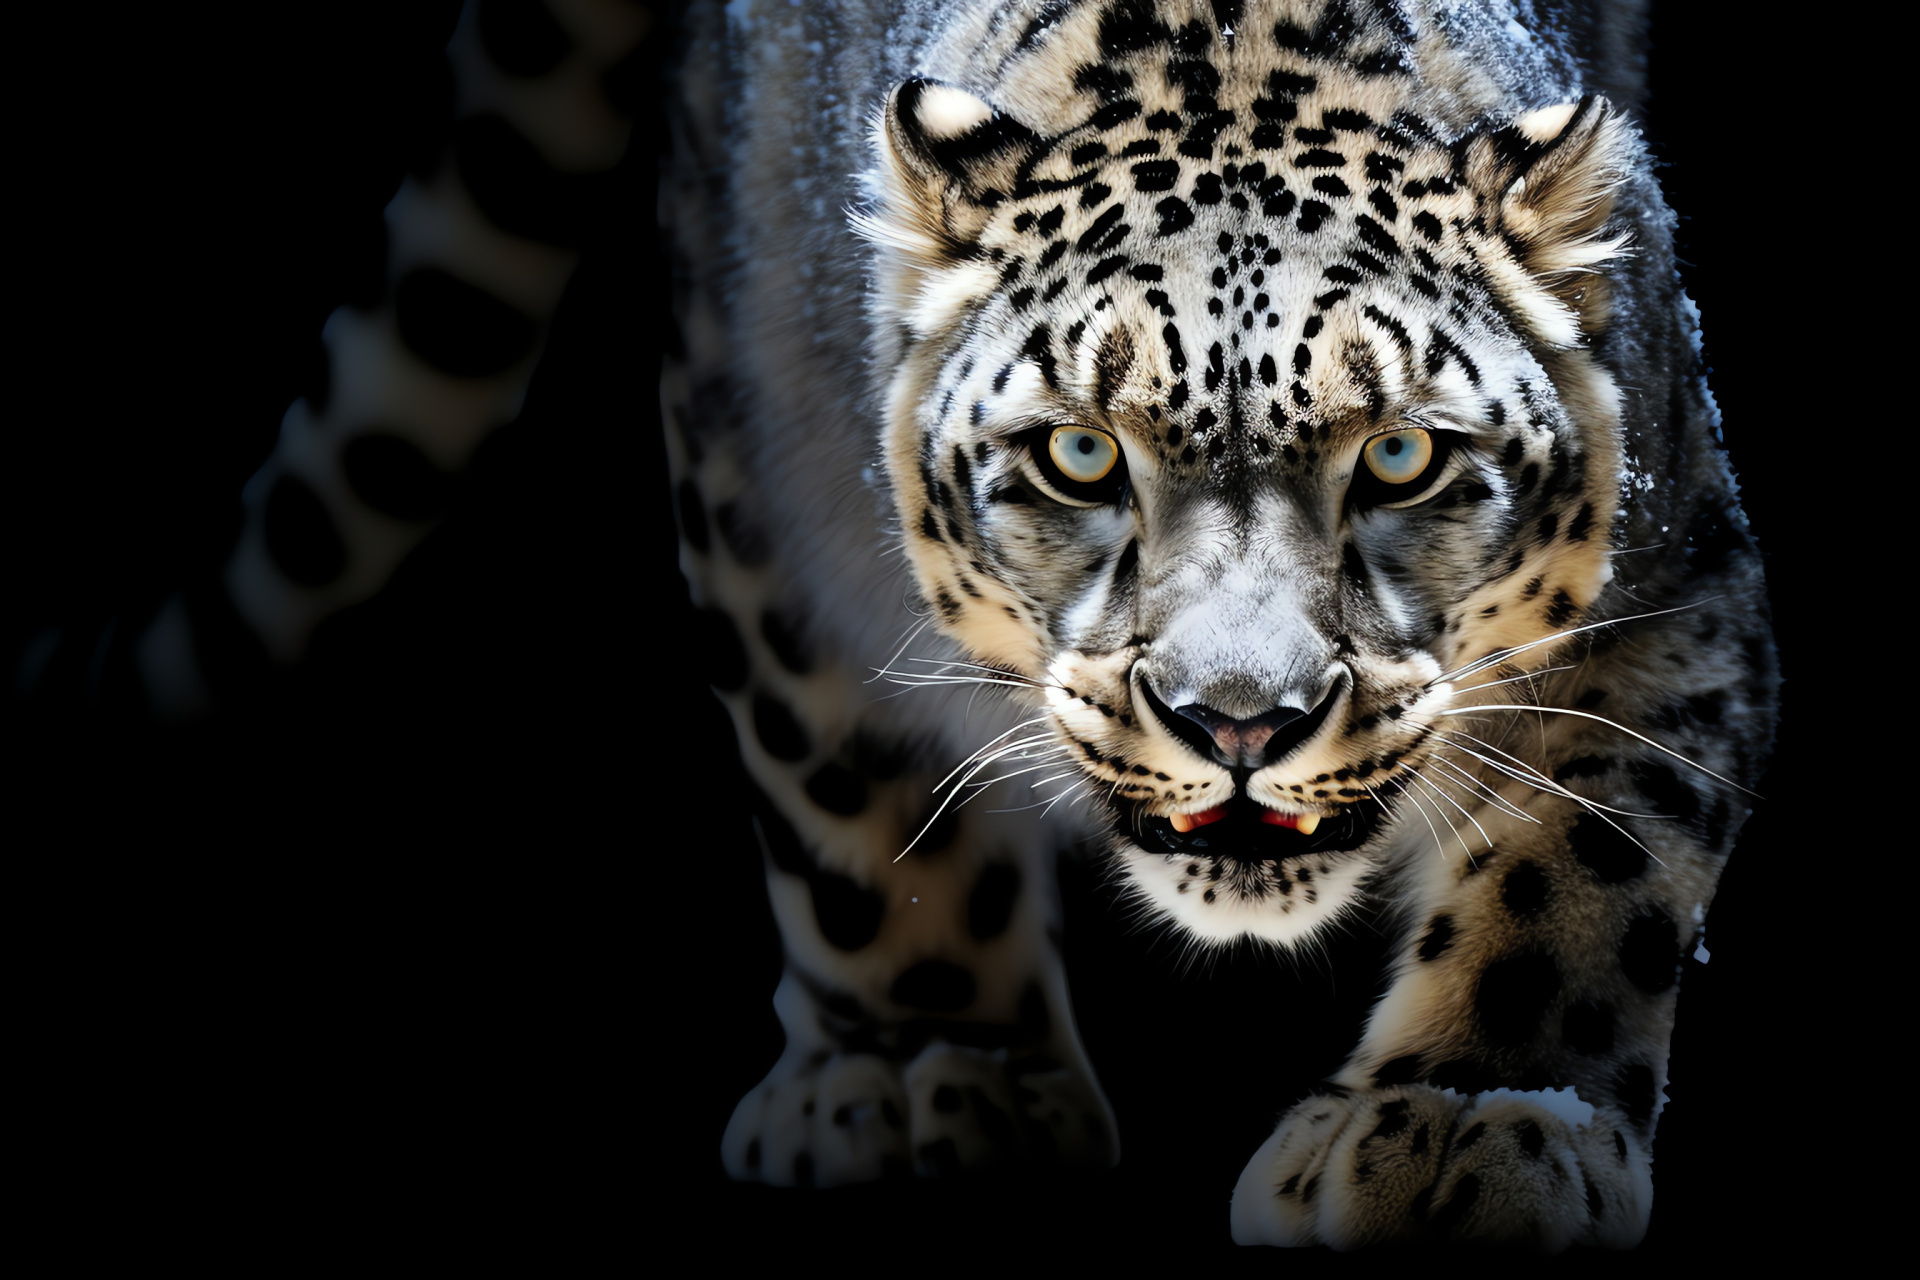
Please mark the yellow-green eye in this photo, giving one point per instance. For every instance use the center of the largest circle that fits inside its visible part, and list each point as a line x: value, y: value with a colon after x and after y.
x: 1400, y: 457
x: 1401, y: 468
x: 1083, y: 456
x: 1080, y: 466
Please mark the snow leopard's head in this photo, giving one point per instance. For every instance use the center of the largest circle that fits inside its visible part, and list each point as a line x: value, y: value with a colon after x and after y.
x: 1240, y: 422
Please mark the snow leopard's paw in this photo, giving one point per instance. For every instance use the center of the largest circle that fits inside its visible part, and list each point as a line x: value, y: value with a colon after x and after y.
x: 855, y: 1118
x: 1538, y: 1170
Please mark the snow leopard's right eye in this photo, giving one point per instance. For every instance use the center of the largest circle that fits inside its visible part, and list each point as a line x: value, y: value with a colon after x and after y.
x: 1082, y: 466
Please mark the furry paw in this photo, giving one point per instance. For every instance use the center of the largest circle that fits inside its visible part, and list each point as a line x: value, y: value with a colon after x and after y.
x: 855, y: 1118
x: 1413, y: 1162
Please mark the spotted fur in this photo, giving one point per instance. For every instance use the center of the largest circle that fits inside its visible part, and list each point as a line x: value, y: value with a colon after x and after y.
x: 1241, y: 241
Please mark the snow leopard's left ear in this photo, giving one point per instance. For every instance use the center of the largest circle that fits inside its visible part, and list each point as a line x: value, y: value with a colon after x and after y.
x: 946, y: 158
x: 1549, y: 179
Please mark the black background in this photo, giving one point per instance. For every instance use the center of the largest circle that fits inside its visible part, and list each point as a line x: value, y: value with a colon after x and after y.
x: 457, y: 931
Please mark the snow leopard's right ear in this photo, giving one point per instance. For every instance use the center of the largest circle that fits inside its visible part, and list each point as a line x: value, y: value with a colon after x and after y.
x: 946, y: 159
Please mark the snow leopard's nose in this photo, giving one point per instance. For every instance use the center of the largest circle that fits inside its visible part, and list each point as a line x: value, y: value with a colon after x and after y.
x: 1250, y: 743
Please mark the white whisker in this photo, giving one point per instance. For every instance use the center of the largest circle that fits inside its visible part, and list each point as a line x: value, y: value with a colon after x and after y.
x: 1439, y: 846
x: 1538, y: 780
x: 1524, y: 675
x: 1591, y: 806
x: 1433, y: 787
x: 1499, y: 801
x: 913, y: 633
x: 1611, y: 724
x: 1501, y: 655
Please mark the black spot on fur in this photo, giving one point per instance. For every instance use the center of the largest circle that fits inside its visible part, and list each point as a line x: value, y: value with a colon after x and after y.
x: 1439, y: 938
x: 783, y: 636
x: 300, y: 534
x: 1131, y: 25
x: 1525, y: 889
x: 1582, y: 767
x: 1532, y: 1140
x: 457, y: 328
x: 1605, y: 850
x: 1650, y: 951
x: 939, y: 985
x: 1155, y: 175
x: 990, y: 905
x: 837, y: 789
x: 847, y: 912
x: 1393, y: 1120
x: 1663, y: 787
x: 1711, y: 542
x: 779, y: 732
x: 744, y: 540
x: 1354, y: 567
x: 1513, y: 996
x: 1587, y: 1027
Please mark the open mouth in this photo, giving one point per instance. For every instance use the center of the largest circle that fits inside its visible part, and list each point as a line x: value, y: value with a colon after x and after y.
x: 1246, y: 831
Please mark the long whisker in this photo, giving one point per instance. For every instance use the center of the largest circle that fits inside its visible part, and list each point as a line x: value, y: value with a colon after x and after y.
x: 988, y: 745
x: 1501, y: 655
x: 1499, y: 801
x: 1590, y: 806
x: 1524, y: 675
x: 1538, y: 780
x: 982, y: 786
x: 913, y: 633
x: 979, y: 666
x: 984, y: 757
x: 1402, y: 782
x: 919, y: 679
x: 1073, y: 795
x: 1430, y: 785
x: 1611, y: 724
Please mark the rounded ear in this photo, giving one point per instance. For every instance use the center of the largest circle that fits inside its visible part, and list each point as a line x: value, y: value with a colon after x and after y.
x: 1549, y: 178
x: 947, y: 158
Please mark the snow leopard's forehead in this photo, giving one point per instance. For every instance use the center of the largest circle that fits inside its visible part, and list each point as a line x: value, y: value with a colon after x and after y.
x: 1246, y: 246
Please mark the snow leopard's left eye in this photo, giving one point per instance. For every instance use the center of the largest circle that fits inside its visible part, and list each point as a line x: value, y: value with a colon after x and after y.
x: 1082, y: 466
x: 1400, y: 467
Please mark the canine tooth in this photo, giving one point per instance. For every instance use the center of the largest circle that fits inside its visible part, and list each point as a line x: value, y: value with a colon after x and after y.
x: 1307, y: 823
x: 1181, y: 822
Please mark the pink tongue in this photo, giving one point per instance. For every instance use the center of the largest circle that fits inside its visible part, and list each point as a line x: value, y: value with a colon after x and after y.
x: 1193, y: 821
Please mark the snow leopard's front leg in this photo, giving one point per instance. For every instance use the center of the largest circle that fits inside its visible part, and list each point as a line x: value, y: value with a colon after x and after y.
x: 924, y: 1002
x: 1509, y: 1082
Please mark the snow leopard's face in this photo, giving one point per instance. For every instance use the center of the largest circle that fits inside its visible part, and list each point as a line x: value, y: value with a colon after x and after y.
x: 1239, y: 425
